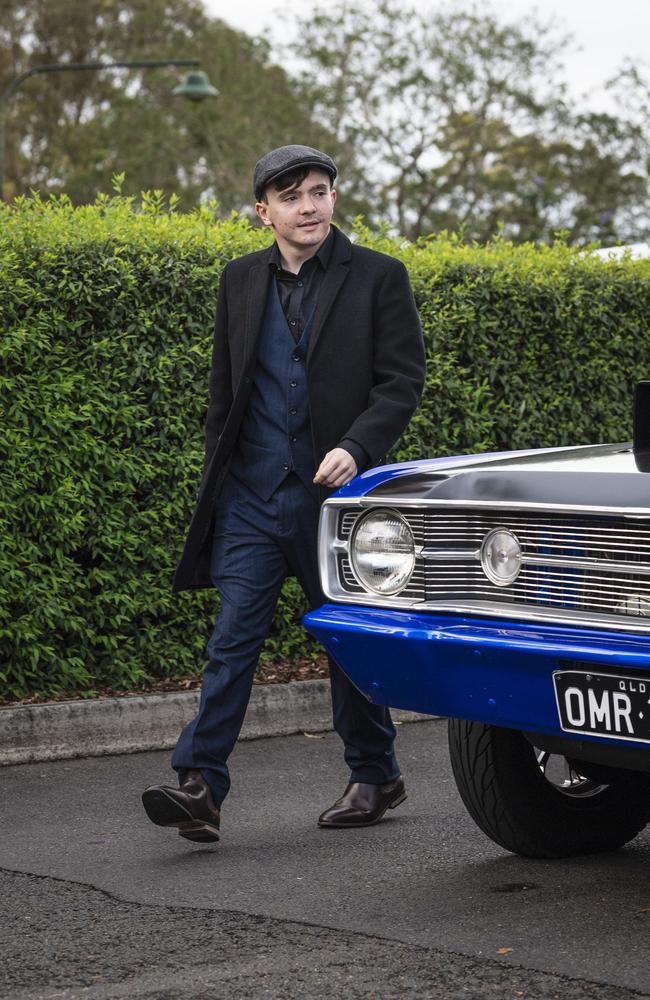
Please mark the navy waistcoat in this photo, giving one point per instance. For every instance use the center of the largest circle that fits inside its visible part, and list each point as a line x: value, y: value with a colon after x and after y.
x: 275, y: 434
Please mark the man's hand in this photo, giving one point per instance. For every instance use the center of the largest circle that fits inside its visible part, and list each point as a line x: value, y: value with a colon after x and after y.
x: 337, y: 468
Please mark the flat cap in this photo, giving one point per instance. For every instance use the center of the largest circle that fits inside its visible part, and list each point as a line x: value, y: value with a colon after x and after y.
x: 285, y: 158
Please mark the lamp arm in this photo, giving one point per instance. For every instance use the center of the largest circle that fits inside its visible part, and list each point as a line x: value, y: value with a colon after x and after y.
x: 67, y: 67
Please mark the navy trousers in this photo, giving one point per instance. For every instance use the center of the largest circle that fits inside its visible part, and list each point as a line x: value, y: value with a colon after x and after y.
x: 256, y: 545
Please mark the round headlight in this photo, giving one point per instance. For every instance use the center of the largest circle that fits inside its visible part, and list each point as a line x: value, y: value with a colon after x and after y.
x: 501, y: 556
x: 382, y: 552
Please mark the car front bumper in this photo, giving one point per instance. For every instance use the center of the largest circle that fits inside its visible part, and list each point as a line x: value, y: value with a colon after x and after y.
x: 499, y: 672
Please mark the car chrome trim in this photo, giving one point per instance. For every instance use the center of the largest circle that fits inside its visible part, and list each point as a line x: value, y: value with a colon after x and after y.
x: 391, y: 501
x: 450, y: 555
x: 603, y: 592
x: 636, y: 513
x: 490, y: 609
x: 573, y: 562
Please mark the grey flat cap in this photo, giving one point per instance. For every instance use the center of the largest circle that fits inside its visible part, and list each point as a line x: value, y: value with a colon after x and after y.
x: 278, y: 161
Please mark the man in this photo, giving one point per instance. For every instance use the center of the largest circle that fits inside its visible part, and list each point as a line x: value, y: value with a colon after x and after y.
x: 317, y: 367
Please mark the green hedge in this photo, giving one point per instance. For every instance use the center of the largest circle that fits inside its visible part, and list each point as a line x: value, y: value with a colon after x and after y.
x: 106, y: 316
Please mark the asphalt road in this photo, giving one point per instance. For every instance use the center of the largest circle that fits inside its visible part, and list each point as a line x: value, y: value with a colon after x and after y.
x: 98, y: 903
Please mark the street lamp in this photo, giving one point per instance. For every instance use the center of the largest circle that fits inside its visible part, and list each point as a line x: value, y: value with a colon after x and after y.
x: 195, y: 87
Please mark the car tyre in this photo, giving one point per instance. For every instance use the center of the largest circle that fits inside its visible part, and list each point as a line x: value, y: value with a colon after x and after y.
x: 504, y: 785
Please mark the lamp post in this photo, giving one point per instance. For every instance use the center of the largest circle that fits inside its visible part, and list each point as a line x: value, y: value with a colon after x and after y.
x: 195, y: 87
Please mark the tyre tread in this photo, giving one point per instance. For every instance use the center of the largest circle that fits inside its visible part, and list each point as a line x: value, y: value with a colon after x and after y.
x: 507, y: 796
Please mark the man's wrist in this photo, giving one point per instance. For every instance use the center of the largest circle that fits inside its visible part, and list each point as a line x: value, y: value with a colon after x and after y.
x: 359, y: 454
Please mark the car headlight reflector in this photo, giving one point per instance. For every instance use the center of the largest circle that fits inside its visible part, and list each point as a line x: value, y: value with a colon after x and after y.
x: 382, y: 552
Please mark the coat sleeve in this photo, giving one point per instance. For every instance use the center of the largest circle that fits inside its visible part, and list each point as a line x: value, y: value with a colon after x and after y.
x: 398, y: 368
x: 220, y: 400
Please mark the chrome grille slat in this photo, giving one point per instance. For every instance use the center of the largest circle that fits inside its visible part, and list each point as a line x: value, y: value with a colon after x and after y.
x: 466, y: 527
x: 572, y: 541
x: 474, y: 517
x: 531, y: 595
x: 534, y: 585
x: 599, y: 551
x: 585, y: 577
x: 560, y: 539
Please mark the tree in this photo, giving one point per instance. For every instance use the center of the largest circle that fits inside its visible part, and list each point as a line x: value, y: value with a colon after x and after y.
x: 71, y: 131
x: 461, y: 121
x: 630, y: 89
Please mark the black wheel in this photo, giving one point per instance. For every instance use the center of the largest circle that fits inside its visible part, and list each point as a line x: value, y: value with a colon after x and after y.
x: 541, y: 805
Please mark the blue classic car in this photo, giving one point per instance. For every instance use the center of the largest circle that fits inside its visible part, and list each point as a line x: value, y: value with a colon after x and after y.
x: 511, y: 593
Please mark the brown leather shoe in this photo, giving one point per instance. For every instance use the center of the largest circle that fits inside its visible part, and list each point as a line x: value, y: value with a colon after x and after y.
x: 362, y: 804
x: 190, y: 808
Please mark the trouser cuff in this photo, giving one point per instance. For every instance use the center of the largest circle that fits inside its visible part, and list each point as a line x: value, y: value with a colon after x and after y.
x: 375, y: 775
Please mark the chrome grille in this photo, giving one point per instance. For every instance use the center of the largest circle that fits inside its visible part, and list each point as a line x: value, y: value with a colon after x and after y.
x: 555, y: 573
x: 348, y: 579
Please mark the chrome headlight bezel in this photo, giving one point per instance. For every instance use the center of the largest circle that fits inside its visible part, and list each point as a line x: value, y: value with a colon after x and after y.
x: 385, y: 515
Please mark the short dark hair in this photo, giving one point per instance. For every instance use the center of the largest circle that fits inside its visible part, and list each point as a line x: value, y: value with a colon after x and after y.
x: 290, y: 179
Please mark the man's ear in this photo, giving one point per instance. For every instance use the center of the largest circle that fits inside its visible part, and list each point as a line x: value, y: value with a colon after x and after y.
x: 262, y: 210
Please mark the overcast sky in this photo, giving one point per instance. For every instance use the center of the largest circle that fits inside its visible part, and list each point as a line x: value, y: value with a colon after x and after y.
x: 605, y: 31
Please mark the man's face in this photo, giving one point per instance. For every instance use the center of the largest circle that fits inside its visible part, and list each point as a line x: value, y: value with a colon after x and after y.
x: 300, y: 216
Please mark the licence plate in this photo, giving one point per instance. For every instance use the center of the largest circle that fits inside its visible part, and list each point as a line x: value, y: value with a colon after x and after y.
x: 603, y: 704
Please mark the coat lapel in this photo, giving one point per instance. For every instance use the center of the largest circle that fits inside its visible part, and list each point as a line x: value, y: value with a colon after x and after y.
x: 256, y: 293
x: 335, y: 275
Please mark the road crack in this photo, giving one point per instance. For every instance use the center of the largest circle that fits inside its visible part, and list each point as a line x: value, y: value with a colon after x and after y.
x: 66, y: 940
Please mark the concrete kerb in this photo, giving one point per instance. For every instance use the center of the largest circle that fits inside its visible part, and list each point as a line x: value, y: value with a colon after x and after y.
x: 102, y: 726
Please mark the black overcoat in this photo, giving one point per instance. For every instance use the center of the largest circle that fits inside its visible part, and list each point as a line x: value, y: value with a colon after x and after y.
x: 365, y: 369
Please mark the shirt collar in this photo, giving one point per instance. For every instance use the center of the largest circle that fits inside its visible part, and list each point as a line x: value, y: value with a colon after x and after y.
x: 322, y: 255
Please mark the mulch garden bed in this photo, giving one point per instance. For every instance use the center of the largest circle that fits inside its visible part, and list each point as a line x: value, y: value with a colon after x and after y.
x: 267, y: 673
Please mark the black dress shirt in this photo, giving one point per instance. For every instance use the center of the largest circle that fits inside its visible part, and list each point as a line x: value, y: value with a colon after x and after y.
x: 299, y: 292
